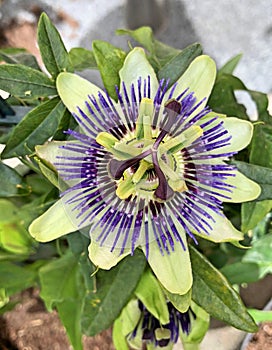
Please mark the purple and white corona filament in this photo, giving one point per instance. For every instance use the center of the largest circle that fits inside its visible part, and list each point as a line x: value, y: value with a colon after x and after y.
x: 146, y: 166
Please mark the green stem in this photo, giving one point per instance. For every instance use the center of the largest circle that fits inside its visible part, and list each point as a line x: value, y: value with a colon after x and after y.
x: 190, y: 346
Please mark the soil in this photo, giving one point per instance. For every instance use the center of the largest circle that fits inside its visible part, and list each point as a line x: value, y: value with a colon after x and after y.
x: 30, y: 327
x: 262, y: 340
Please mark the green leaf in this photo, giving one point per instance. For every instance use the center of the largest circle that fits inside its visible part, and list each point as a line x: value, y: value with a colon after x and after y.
x: 174, y: 68
x: 35, y: 128
x: 260, y: 174
x: 223, y: 100
x: 114, y: 288
x: 261, y: 101
x: 13, y: 236
x: 253, y: 212
x: 11, y: 183
x: 110, y: 60
x: 53, y: 51
x: 82, y: 58
x: 229, y: 67
x: 24, y: 81
x: 261, y: 146
x: 261, y: 253
x: 70, y: 312
x: 241, y: 272
x: 260, y: 315
x: 142, y: 35
x: 215, y: 295
x: 63, y: 274
x: 15, y: 278
x: 23, y: 58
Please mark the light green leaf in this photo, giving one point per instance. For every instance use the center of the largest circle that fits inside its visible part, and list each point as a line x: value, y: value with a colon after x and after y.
x: 149, y: 292
x: 215, y: 295
x: 260, y: 315
x: 114, y: 289
x: 25, y: 82
x: 110, y: 60
x: 119, y: 340
x: 35, y: 128
x: 52, y: 49
x: 142, y: 35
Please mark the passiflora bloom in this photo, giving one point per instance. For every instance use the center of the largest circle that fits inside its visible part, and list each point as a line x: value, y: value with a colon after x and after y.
x: 149, y: 329
x: 148, y: 170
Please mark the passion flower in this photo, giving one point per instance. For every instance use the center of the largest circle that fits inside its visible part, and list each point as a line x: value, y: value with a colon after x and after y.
x: 148, y: 170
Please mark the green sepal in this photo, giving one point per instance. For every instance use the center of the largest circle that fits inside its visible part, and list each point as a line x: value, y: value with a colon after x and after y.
x: 150, y: 293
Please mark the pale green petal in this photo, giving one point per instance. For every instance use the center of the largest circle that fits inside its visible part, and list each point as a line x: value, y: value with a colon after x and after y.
x: 173, y: 270
x: 50, y: 151
x: 222, y: 229
x: 149, y: 292
x: 74, y: 90
x: 135, y: 66
x: 102, y: 256
x: 52, y: 224
x: 241, y: 132
x: 245, y: 189
x: 199, y: 78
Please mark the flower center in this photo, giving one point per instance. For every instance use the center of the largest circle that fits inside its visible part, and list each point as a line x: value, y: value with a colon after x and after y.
x: 147, y: 162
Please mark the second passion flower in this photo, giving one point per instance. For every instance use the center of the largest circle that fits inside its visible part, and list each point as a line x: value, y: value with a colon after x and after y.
x: 148, y: 170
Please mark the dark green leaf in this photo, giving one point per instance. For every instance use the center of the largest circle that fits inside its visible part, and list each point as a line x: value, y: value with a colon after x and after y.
x: 35, y: 128
x: 110, y: 60
x: 81, y: 59
x: 24, y: 58
x: 214, y: 294
x: 173, y: 69
x: 253, y: 212
x: 70, y: 312
x: 63, y: 273
x: 114, y: 288
x: 261, y: 146
x: 11, y: 183
x: 261, y: 252
x: 24, y: 81
x: 261, y: 101
x: 53, y: 51
x: 262, y: 175
x: 241, y: 272
x: 15, y: 278
x: 229, y: 67
x: 223, y: 100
